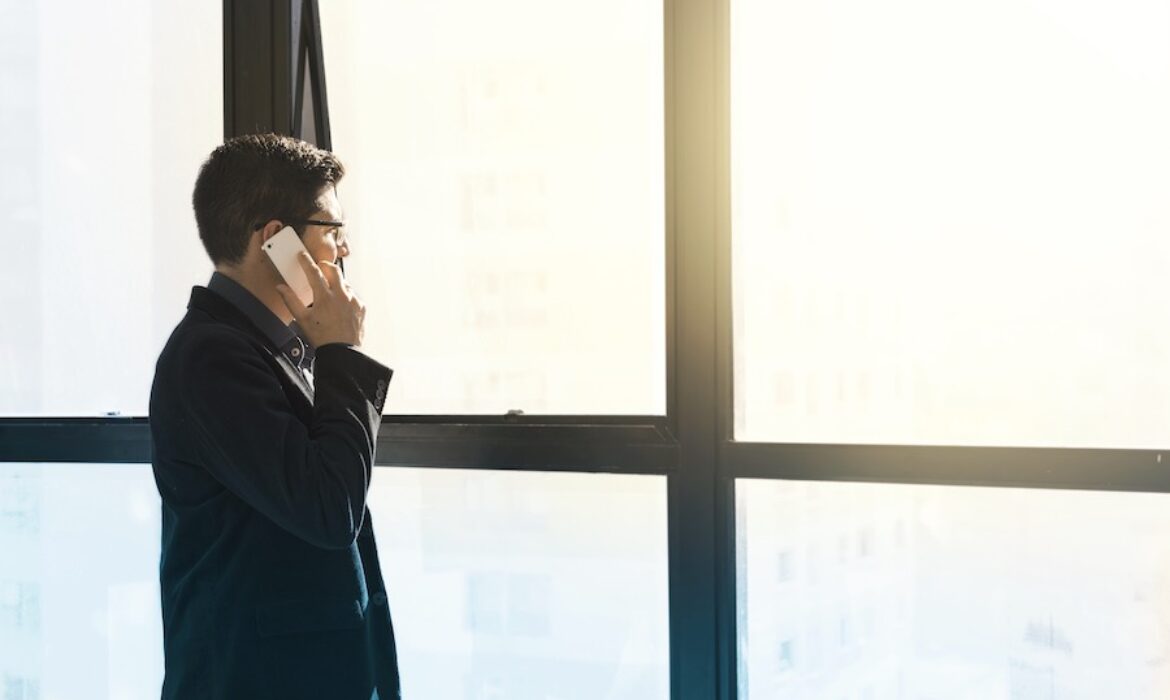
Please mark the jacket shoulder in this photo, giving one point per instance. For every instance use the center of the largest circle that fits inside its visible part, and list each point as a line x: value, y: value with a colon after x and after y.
x: 195, y: 340
x: 199, y: 333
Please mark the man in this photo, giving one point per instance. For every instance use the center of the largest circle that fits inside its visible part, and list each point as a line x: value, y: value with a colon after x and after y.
x: 264, y: 416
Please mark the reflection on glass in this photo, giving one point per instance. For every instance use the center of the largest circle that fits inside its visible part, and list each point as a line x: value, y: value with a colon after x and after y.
x: 79, y: 601
x: 506, y: 194
x: 106, y: 112
x: 896, y: 592
x: 950, y: 221
x: 508, y: 585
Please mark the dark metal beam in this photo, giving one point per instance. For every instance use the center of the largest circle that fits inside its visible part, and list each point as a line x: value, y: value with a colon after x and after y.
x: 1016, y: 467
x: 317, y: 75
x: 727, y: 587
x: 696, y: 497
x: 484, y: 442
x: 80, y: 440
x: 262, y: 42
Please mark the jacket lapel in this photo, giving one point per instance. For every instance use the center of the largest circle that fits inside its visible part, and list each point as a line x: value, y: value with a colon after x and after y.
x: 223, y: 310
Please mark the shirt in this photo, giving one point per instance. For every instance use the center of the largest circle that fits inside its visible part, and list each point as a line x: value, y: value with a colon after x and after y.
x: 290, y: 339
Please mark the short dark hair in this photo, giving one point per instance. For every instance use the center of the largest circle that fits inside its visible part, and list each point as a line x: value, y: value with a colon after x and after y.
x: 254, y: 178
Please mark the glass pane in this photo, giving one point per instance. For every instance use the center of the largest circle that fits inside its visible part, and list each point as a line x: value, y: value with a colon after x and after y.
x: 506, y: 190
x: 79, y: 600
x: 503, y: 585
x: 106, y: 112
x: 950, y: 223
x: 525, y: 585
x: 891, y: 592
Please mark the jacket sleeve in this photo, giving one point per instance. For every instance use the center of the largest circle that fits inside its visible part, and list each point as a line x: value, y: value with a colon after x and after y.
x: 310, y: 480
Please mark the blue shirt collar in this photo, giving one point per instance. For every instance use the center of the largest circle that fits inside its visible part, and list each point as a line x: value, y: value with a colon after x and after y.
x: 290, y: 339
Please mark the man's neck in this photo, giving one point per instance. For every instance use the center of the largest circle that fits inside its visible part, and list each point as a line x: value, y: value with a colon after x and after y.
x: 262, y: 288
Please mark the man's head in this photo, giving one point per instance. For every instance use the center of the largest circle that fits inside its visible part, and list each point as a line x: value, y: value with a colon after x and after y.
x: 253, y: 186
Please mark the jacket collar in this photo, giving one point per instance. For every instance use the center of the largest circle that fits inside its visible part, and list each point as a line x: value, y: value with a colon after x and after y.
x: 223, y: 310
x: 260, y: 315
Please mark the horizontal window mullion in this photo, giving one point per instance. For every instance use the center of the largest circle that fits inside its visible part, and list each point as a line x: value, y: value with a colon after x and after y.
x: 534, y: 456
x: 81, y: 440
x: 639, y: 448
x: 1021, y: 467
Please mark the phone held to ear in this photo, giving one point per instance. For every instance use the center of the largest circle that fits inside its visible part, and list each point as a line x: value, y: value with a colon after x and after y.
x: 283, y: 249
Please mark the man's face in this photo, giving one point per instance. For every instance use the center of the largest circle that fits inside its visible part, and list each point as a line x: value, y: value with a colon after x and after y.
x: 327, y: 243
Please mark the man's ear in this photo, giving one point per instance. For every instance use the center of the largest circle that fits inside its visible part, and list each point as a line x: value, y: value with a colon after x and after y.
x: 270, y: 229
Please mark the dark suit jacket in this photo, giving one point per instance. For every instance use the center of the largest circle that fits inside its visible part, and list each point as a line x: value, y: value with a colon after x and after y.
x: 270, y: 581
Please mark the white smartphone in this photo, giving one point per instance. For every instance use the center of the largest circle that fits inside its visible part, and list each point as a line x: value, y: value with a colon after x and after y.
x: 283, y: 249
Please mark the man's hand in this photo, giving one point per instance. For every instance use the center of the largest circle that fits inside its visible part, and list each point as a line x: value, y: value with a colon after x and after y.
x: 337, y: 314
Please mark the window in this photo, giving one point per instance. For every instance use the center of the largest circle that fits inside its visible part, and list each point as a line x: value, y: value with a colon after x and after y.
x: 949, y: 222
x: 506, y: 191
x: 71, y: 600
x: 873, y: 196
x: 520, y: 581
x: 528, y: 584
x: 1007, y: 589
x: 106, y: 112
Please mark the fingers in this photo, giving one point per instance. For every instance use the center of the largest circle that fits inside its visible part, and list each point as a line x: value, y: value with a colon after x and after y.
x: 317, y: 279
x: 331, y: 272
x: 337, y: 281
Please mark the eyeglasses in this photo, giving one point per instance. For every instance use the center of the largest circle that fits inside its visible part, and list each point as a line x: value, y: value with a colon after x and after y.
x: 337, y: 226
x: 315, y: 222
